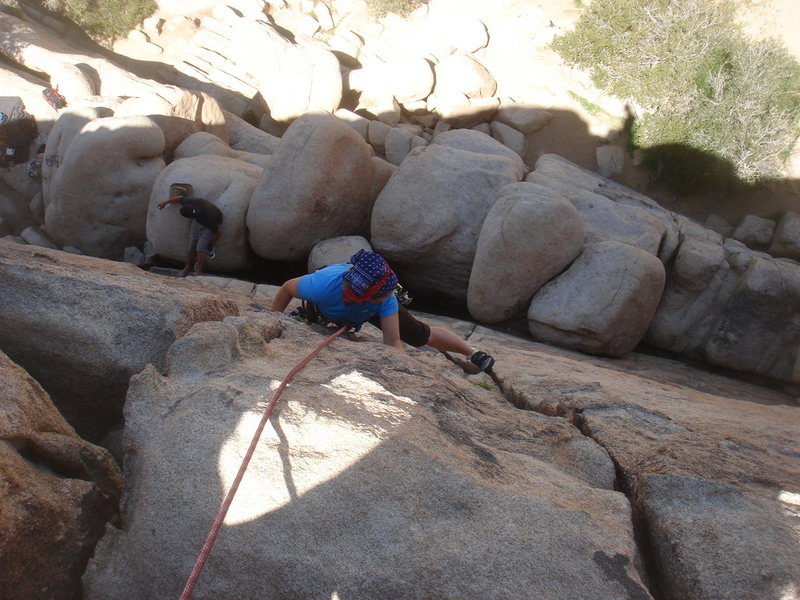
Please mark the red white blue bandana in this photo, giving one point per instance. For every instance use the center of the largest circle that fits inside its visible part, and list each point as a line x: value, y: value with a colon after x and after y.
x: 369, y: 276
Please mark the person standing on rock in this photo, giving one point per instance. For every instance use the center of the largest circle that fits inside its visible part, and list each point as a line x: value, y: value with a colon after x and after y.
x: 363, y: 291
x: 206, y: 227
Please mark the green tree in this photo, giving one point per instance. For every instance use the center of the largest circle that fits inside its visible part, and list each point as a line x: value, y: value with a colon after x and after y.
x: 715, y: 108
x: 400, y: 7
x: 105, y: 20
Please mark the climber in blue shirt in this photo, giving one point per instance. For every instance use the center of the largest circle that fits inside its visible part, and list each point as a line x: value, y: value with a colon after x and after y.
x: 363, y: 291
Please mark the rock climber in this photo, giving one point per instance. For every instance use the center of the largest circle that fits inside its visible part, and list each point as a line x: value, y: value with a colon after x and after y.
x: 363, y: 290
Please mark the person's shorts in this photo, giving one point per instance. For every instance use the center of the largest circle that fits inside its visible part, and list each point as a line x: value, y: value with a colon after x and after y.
x: 412, y: 331
x: 199, y: 237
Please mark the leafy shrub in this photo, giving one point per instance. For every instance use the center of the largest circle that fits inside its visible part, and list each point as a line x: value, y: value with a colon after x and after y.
x: 702, y: 88
x: 104, y: 20
x: 10, y: 6
x: 403, y: 8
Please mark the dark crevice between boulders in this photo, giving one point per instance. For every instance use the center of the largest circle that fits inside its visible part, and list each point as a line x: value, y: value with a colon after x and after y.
x: 648, y: 567
x: 651, y: 574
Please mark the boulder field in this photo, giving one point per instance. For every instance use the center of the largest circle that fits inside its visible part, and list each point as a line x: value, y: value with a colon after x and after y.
x: 580, y: 467
x: 385, y: 474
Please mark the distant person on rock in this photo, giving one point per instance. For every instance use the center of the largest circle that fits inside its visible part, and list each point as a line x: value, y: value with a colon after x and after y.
x: 206, y: 227
x: 364, y: 291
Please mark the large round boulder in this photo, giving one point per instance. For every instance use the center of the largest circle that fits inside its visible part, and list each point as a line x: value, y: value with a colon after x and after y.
x: 317, y: 185
x: 246, y: 138
x: 200, y: 108
x: 68, y: 125
x: 603, y: 303
x: 529, y: 236
x: 98, y: 196
x: 407, y: 79
x: 428, y: 217
x: 294, y: 74
x: 73, y: 82
x: 700, y: 282
x: 228, y: 183
x: 336, y: 251
x: 786, y: 241
x: 201, y: 143
x: 461, y: 73
x: 179, y: 113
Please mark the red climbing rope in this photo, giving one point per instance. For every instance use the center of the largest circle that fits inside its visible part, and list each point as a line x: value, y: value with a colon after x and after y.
x: 223, y: 509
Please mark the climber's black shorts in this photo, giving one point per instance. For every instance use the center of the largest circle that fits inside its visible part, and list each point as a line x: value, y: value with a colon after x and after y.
x: 412, y: 331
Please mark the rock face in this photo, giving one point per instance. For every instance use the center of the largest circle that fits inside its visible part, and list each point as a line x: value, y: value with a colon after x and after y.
x: 317, y: 185
x: 679, y: 505
x: 394, y: 461
x: 294, y: 74
x: 710, y: 470
x: 427, y: 218
x: 16, y: 83
x: 56, y: 493
x: 374, y: 458
x: 82, y: 326
x: 36, y: 48
x: 717, y: 307
x: 122, y: 157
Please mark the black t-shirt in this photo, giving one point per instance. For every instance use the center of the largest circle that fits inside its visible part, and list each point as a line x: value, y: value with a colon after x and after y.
x: 205, y: 212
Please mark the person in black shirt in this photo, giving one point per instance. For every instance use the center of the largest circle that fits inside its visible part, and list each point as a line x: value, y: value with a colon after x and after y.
x: 206, y: 230
x: 17, y: 132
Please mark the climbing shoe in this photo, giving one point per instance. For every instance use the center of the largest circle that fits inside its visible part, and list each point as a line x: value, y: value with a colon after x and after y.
x: 481, y: 360
x: 212, y: 252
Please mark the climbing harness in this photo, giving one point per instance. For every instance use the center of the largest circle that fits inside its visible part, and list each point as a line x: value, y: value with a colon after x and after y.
x: 226, y: 502
x: 403, y: 297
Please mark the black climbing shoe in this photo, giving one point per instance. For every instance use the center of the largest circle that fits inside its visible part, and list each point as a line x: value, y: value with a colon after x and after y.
x: 481, y: 360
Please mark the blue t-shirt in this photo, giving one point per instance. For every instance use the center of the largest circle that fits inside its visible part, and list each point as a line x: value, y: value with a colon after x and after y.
x: 324, y: 288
